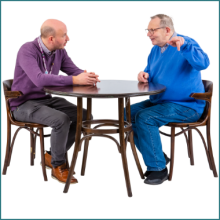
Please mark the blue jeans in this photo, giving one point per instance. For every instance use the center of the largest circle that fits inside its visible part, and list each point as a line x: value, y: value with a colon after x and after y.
x: 146, y: 119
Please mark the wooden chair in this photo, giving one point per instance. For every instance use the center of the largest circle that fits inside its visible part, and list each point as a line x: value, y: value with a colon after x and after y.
x: 28, y: 126
x: 203, y: 121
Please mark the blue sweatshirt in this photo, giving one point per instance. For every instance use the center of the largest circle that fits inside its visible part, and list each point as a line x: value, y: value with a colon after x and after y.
x: 179, y: 71
x: 30, y: 77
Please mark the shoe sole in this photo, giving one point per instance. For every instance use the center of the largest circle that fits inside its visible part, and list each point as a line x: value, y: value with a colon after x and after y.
x: 48, y: 168
x: 61, y: 181
x: 164, y: 179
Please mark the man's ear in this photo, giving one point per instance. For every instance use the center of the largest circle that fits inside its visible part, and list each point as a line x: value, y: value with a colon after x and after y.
x: 50, y: 39
x: 168, y: 30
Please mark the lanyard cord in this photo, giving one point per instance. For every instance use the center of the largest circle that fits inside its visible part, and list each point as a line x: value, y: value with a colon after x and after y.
x: 46, y: 72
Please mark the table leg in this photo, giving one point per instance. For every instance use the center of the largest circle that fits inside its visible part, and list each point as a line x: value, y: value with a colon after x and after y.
x: 135, y: 155
x: 131, y: 138
x: 86, y: 145
x: 77, y: 140
x: 122, y: 143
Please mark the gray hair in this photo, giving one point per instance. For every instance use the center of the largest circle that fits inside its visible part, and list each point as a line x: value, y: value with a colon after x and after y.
x: 47, y: 31
x: 165, y: 21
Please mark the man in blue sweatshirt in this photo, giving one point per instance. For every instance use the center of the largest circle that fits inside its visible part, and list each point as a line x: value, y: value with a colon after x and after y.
x: 38, y: 64
x: 175, y: 61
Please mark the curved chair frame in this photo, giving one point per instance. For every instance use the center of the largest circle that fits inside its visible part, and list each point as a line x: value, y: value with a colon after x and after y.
x: 28, y: 126
x: 203, y: 121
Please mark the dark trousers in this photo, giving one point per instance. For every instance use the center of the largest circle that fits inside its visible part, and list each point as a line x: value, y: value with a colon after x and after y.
x: 57, y: 113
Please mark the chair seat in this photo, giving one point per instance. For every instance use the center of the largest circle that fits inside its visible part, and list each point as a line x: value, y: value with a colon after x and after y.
x: 200, y: 122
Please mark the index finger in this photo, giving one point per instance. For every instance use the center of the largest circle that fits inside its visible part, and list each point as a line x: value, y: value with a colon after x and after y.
x: 178, y: 45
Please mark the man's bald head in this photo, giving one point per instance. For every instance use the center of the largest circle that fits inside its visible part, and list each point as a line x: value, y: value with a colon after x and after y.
x: 54, y: 34
x: 50, y: 28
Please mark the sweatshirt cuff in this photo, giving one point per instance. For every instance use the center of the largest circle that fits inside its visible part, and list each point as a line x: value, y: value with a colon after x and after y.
x: 69, y: 80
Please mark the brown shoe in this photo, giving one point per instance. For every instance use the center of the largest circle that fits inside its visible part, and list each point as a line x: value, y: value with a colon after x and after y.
x: 60, y: 173
x: 48, y: 164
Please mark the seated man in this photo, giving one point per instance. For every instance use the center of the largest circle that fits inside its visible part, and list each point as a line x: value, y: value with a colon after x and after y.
x: 38, y: 64
x: 175, y: 61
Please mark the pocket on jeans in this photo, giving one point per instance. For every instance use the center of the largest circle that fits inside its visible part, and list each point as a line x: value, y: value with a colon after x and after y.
x: 24, y: 111
x: 19, y: 115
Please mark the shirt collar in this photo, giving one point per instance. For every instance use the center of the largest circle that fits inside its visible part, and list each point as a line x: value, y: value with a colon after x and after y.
x: 174, y: 35
x: 46, y: 51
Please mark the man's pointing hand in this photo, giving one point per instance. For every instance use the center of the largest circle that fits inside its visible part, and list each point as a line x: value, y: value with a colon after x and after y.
x: 176, y: 42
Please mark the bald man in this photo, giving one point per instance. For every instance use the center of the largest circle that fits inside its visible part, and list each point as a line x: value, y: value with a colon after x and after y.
x: 38, y: 65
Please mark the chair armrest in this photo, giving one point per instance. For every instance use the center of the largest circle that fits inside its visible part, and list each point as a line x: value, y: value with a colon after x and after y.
x: 203, y: 96
x: 13, y: 94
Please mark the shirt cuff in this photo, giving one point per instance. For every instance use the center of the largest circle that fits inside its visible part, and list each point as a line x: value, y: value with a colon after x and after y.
x: 68, y: 80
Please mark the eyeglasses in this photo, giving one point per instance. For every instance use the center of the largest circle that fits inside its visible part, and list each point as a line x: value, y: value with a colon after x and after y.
x: 151, y: 31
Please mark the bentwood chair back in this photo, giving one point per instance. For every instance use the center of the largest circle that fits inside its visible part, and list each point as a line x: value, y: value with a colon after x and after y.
x: 203, y: 121
x: 28, y: 126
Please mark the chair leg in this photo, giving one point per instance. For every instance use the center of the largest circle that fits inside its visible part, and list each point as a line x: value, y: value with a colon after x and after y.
x: 32, y: 147
x: 7, y: 153
x: 42, y: 153
x: 210, y: 149
x: 33, y: 139
x: 12, y: 145
x: 172, y: 152
x: 190, y: 148
x: 131, y: 138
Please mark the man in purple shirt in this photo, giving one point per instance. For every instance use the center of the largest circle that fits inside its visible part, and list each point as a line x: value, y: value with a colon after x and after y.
x: 38, y: 65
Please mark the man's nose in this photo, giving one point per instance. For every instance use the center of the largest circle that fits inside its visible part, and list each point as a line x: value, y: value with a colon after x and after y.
x: 67, y: 38
x: 149, y: 34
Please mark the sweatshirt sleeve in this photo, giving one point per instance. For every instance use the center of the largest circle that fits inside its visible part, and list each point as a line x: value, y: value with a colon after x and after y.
x: 28, y: 62
x: 68, y: 67
x: 193, y: 53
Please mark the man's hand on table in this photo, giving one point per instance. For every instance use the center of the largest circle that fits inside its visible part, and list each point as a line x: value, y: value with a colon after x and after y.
x: 143, y: 77
x: 86, y: 78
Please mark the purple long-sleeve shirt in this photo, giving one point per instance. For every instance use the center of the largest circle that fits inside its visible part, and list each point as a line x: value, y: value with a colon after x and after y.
x: 30, y: 77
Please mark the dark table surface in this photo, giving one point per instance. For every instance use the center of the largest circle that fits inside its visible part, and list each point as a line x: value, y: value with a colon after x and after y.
x: 108, y: 89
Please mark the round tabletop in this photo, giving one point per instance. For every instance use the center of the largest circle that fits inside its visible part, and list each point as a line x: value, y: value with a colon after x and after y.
x: 108, y: 89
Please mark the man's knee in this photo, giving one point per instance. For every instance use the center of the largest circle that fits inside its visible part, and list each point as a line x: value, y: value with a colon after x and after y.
x: 145, y: 118
x: 62, y: 120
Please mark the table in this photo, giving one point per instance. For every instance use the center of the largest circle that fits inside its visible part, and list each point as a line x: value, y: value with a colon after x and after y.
x: 106, y: 89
